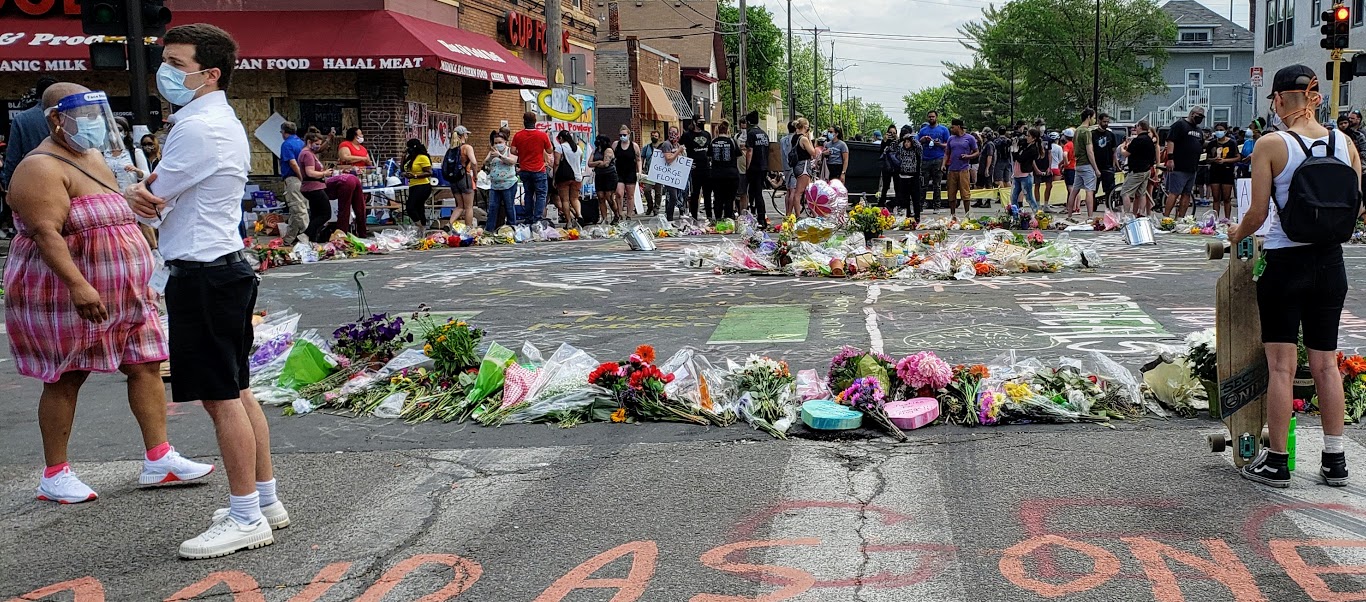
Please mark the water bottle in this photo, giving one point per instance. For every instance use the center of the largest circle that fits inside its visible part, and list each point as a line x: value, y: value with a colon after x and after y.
x: 1290, y: 445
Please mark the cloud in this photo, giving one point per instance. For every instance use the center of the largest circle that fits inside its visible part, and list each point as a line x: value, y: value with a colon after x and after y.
x: 886, y: 69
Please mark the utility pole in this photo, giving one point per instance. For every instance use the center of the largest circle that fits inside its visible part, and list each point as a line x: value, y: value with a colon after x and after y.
x: 816, y: 74
x: 744, y: 61
x: 791, y: 93
x: 832, y: 79
x: 1095, y: 64
x: 137, y: 67
x: 554, y: 28
x: 1012, y: 96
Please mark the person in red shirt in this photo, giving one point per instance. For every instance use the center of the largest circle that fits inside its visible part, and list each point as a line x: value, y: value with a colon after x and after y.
x: 351, y: 151
x: 533, y: 152
x: 1069, y: 168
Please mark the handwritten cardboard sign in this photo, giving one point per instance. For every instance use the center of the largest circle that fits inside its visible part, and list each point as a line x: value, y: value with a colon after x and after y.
x: 673, y: 175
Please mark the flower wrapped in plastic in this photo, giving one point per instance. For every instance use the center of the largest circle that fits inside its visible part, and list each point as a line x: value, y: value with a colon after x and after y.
x: 867, y: 395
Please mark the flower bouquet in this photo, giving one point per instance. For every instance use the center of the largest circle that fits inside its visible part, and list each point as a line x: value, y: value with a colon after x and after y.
x: 375, y: 339
x: 1202, y: 359
x: 767, y: 392
x: 1353, y: 370
x: 922, y: 374
x: 851, y: 363
x: 869, y: 220
x: 961, y: 396
x: 867, y: 395
x: 451, y: 344
x: 638, y: 386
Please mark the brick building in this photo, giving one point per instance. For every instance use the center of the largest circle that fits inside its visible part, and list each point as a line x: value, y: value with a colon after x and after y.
x: 637, y: 85
x: 683, y: 29
x: 404, y: 68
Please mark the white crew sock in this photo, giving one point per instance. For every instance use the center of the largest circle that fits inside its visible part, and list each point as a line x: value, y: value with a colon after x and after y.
x: 245, y: 509
x: 1332, y: 444
x: 266, y: 489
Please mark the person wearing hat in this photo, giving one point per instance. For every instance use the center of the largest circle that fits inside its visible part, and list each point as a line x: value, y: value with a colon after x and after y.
x: 458, y: 167
x: 1185, y: 144
x: 1303, y: 286
x: 756, y: 161
x: 1087, y: 171
x: 1069, y: 160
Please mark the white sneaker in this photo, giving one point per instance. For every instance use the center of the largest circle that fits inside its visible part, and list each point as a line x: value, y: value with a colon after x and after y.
x: 64, y: 488
x: 226, y: 537
x: 172, y: 468
x: 275, y: 514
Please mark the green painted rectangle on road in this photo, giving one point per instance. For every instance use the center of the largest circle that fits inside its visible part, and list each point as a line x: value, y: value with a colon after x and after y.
x: 763, y: 324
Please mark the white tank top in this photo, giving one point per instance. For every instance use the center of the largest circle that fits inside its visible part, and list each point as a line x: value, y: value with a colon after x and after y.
x: 1275, y: 236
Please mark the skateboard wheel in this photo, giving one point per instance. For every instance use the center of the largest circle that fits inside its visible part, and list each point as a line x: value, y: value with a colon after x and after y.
x: 1214, y: 250
x: 1218, y: 442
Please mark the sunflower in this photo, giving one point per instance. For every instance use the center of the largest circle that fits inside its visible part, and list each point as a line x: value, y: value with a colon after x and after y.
x: 619, y: 415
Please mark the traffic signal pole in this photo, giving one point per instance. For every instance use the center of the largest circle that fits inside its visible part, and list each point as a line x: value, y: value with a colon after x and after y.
x: 137, y: 65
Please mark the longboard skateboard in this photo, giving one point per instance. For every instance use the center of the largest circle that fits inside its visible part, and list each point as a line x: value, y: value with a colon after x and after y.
x: 1240, y: 354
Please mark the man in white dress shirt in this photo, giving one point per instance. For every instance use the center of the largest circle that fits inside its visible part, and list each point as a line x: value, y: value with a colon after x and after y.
x: 196, y: 194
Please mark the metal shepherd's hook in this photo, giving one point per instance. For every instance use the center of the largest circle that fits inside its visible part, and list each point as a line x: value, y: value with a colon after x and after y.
x: 360, y: 294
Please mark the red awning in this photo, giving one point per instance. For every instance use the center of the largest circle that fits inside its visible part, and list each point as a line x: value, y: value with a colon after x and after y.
x: 294, y: 40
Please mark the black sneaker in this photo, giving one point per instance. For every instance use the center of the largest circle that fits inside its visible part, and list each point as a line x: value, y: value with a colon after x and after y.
x: 1334, y: 469
x: 1268, y: 469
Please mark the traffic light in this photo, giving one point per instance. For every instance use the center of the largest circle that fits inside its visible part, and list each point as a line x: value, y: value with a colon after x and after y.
x: 155, y: 18
x: 1336, y: 28
x: 104, y: 17
x: 110, y: 17
x: 1349, y: 70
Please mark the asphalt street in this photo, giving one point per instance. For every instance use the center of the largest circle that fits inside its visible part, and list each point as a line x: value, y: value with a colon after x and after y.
x: 388, y: 511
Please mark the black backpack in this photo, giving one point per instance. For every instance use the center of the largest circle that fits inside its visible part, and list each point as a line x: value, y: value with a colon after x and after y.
x: 1323, y: 200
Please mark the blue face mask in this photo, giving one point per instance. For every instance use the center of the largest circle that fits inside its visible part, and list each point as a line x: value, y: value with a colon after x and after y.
x: 171, y: 85
x: 91, y: 133
x: 1219, y: 135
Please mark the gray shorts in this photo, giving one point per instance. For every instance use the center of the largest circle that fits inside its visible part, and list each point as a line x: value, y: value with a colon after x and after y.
x: 1180, y: 182
x: 1086, y: 178
x: 1001, y: 172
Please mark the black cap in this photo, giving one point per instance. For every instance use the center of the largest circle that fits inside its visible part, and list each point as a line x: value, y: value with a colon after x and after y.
x: 1291, y: 79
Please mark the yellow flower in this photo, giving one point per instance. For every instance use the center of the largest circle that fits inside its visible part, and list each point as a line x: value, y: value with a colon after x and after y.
x: 441, y: 339
x: 619, y: 415
x: 427, y: 350
x: 1018, y: 391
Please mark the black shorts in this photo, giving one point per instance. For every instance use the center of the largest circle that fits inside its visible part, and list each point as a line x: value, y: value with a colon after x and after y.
x: 836, y: 170
x: 1221, y: 176
x: 209, y: 314
x: 1303, y: 286
x: 461, y: 185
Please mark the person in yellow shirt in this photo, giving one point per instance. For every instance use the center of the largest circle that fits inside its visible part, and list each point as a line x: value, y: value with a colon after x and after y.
x: 417, y: 165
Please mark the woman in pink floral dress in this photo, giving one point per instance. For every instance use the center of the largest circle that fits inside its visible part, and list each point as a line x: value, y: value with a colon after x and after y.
x: 77, y: 294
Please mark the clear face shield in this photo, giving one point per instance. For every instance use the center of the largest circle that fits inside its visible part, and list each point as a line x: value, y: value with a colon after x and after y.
x: 88, y: 123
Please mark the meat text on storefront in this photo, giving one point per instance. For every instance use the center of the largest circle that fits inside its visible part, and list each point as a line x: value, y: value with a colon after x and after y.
x: 474, y: 52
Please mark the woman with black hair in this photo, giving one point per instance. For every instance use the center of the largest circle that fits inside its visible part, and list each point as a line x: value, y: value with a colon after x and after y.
x: 417, y: 166
x: 604, y: 164
x: 568, y: 175
x: 352, y: 150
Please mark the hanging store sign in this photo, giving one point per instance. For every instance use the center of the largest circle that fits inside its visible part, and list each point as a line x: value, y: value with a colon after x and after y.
x: 527, y: 32
x: 40, y: 8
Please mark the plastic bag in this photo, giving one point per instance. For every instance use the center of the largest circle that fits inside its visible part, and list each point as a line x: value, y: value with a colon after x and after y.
x: 275, y: 324
x: 521, y: 233
x: 407, y: 358
x: 516, y: 382
x: 965, y: 271
x: 1117, y: 375
x: 566, y: 369
x: 811, y: 386
x: 689, y: 369
x: 307, y: 363
x: 491, y: 373
x: 555, y: 407
x: 303, y: 252
x: 392, y: 406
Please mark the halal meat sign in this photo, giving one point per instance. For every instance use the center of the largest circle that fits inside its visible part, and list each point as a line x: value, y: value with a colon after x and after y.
x: 523, y: 31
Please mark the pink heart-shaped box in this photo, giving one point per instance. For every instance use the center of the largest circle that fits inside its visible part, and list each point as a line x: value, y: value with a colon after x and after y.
x: 913, y: 413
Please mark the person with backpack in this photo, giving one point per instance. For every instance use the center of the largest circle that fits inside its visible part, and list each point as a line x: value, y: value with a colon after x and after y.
x: 1312, y: 175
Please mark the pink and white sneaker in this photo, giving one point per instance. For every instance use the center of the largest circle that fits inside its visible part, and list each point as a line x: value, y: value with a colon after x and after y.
x: 172, y: 468
x: 64, y: 488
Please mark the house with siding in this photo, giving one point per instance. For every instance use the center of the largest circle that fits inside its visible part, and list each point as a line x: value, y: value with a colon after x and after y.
x: 1208, y: 65
x: 1287, y: 33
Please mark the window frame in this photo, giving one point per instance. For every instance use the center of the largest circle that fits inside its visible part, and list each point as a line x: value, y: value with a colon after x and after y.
x: 1228, y: 62
x: 1119, y: 113
x: 1228, y: 114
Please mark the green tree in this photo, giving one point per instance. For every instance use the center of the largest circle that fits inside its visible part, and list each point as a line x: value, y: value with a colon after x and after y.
x: 922, y: 101
x: 1048, y: 44
x: 857, y: 117
x: 978, y: 95
x: 765, y: 58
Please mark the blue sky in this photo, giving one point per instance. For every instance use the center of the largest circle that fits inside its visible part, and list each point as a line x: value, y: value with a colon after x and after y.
x: 883, y: 70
